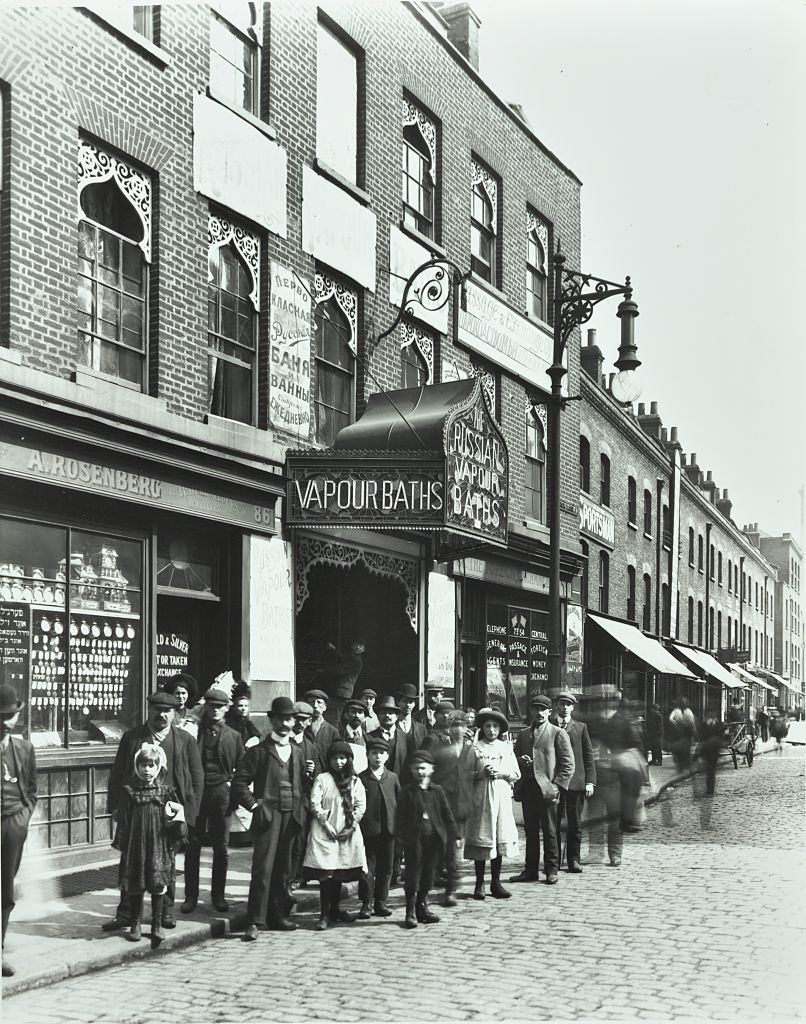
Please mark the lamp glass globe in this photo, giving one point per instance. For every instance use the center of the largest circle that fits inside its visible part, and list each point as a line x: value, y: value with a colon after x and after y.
x: 626, y: 386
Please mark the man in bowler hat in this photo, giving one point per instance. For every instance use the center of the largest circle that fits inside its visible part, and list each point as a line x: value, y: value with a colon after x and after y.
x: 406, y: 698
x: 276, y: 770
x: 220, y: 748
x: 582, y: 783
x: 547, y: 765
x: 18, y: 800
x: 184, y: 774
x: 427, y: 715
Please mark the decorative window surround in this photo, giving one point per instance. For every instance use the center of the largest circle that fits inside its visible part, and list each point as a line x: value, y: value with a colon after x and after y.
x: 489, y: 385
x: 423, y: 342
x: 221, y: 232
x: 96, y: 166
x: 541, y: 412
x: 534, y: 223
x: 481, y: 176
x: 325, y: 288
x: 427, y: 128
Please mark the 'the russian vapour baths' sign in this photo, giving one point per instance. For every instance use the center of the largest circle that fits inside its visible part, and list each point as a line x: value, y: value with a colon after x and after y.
x: 290, y: 346
x: 477, y: 474
x: 596, y: 521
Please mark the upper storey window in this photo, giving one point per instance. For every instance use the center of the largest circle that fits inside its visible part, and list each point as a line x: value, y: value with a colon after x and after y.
x: 536, y: 249
x: 419, y: 170
x: 234, y: 56
x: 336, y: 104
x: 483, y: 223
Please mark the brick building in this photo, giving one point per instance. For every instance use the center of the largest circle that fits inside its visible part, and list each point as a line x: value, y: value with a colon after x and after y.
x: 207, y: 218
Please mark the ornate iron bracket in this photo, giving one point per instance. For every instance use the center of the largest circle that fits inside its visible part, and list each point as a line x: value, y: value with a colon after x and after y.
x: 577, y: 303
x: 430, y: 287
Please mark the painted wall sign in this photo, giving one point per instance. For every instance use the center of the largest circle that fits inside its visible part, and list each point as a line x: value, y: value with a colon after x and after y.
x: 271, y: 611
x: 477, y: 474
x: 505, y: 574
x: 596, y: 521
x: 290, y: 348
x: 337, y: 229
x: 173, y: 654
x: 112, y: 481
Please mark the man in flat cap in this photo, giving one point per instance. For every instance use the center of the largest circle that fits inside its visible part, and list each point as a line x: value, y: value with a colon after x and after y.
x: 221, y: 748
x: 582, y: 784
x: 427, y: 715
x: 275, y: 769
x: 303, y: 713
x: 440, y: 735
x: 547, y: 765
x: 184, y: 774
x: 320, y: 731
x: 370, y: 699
x: 352, y: 731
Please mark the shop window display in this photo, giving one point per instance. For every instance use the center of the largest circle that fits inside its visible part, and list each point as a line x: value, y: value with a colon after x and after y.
x: 70, y: 630
x: 517, y: 653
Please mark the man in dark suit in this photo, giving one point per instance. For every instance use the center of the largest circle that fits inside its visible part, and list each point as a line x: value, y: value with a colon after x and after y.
x: 18, y: 800
x: 440, y: 734
x: 319, y: 730
x: 220, y: 748
x: 427, y: 715
x: 547, y: 766
x: 582, y: 784
x: 184, y: 774
x: 352, y: 730
x: 303, y: 713
x: 378, y: 829
x: 276, y: 769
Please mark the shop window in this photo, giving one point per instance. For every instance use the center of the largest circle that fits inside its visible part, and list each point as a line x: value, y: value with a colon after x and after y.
x: 234, y: 56
x: 632, y: 501
x: 691, y: 620
x: 232, y: 309
x: 419, y: 170
x: 584, y: 580
x: 631, y: 593
x: 336, y: 104
x: 483, y: 224
x: 691, y: 546
x: 648, y: 513
x: 517, y: 658
x: 535, y: 469
x: 604, y: 581
x: 646, y: 612
x: 113, y: 253
x: 584, y: 464
x: 334, y: 316
x: 70, y: 601
x: 536, y: 276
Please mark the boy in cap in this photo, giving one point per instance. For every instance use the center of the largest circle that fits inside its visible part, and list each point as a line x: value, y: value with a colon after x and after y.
x: 319, y: 730
x: 424, y: 825
x: 378, y: 828
x: 352, y: 731
x: 18, y: 800
x: 582, y: 781
x: 220, y: 748
x: 369, y: 698
x: 427, y: 715
x: 440, y: 735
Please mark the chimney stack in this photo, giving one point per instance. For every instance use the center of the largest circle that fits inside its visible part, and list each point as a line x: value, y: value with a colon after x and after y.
x: 590, y: 356
x: 693, y: 470
x: 650, y: 422
x: 724, y: 504
x: 463, y: 30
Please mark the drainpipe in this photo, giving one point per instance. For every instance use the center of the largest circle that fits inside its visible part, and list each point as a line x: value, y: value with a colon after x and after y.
x: 708, y: 586
x: 740, y: 644
x: 764, y: 612
x: 659, y: 481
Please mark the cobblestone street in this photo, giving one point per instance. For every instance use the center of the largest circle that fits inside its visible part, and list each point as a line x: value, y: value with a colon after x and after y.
x: 695, y: 923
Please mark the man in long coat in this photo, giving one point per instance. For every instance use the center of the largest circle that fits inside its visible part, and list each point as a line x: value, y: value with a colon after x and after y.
x: 582, y: 784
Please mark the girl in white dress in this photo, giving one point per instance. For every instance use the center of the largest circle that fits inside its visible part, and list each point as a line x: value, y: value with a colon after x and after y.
x: 491, y: 832
x: 335, y: 851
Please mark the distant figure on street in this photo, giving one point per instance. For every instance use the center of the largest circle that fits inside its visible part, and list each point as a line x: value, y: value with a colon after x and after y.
x: 237, y: 715
x: 682, y: 730
x: 18, y: 797
x: 763, y: 720
x: 779, y: 727
x: 654, y: 734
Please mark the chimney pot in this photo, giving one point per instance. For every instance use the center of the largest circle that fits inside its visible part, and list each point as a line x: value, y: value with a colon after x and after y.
x: 693, y: 461
x: 725, y: 495
x: 673, y: 435
x: 641, y: 408
x: 610, y: 379
x: 709, y: 476
x: 604, y: 382
x: 683, y: 458
x: 653, y: 409
x: 664, y: 434
x: 591, y: 337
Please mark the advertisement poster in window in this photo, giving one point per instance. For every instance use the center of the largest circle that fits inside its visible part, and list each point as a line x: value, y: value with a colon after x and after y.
x: 518, y: 643
x: 290, y: 353
x: 496, y: 657
x: 173, y: 654
x: 574, y: 648
x: 538, y: 652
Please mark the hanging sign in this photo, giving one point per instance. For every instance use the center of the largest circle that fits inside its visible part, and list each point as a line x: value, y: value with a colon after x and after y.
x: 290, y: 349
x: 596, y: 521
x: 15, y: 642
x: 477, y: 475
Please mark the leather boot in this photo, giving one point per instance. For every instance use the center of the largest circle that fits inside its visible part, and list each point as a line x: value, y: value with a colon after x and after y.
x: 336, y: 913
x: 324, y: 906
x: 157, y: 934
x: 411, y: 915
x: 135, y: 910
x: 424, y: 915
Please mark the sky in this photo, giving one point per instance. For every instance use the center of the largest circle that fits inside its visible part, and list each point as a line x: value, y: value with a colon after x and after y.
x: 685, y: 122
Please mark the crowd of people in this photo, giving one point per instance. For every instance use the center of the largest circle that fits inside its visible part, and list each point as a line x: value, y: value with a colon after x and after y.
x: 372, y: 790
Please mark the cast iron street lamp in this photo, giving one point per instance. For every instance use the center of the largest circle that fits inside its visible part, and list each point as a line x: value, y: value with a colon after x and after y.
x: 575, y: 295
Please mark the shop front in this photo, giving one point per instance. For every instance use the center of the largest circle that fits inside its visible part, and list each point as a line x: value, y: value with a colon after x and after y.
x: 116, y: 572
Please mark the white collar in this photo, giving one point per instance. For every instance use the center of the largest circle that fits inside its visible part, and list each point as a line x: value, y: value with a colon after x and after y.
x: 281, y: 741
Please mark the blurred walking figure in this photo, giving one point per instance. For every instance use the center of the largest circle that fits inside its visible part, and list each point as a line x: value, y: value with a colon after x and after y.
x: 654, y: 734
x: 628, y: 761
x: 779, y: 727
x: 683, y: 731
x: 708, y: 750
x: 604, y: 806
x: 763, y: 720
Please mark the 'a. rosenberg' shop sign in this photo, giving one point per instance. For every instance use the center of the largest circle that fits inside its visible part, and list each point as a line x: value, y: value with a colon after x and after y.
x: 290, y: 346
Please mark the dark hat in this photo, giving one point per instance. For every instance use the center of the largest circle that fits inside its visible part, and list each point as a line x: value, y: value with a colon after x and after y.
x: 435, y: 686
x: 445, y: 705
x: 241, y: 690
x: 340, y: 747
x: 486, y: 714
x: 422, y: 755
x: 215, y: 696
x: 184, y: 679
x: 565, y: 695
x: 312, y: 695
x: 540, y: 699
x: 355, y: 703
x: 377, y: 743
x: 163, y: 700
x: 301, y: 708
x: 408, y: 691
x: 386, y: 704
x: 282, y: 706
x: 367, y: 692
x: 9, y: 702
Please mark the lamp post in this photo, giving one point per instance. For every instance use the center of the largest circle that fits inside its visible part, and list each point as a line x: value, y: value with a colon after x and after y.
x: 575, y: 295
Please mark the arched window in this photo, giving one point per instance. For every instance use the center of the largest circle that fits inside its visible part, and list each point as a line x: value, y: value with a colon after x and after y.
x: 585, y: 573
x: 719, y: 568
x: 648, y: 513
x: 631, y: 593
x: 691, y: 620
x: 646, y: 613
x: 718, y: 630
x: 632, y: 501
x: 418, y: 182
x: 730, y: 577
x: 482, y: 235
x: 604, y: 580
x: 231, y: 335
x: 700, y: 553
x: 691, y: 545
x: 666, y: 609
x: 112, y: 284
x: 334, y: 371
x: 413, y: 371
x: 711, y: 561
x: 584, y: 464
x: 535, y: 469
x: 699, y: 623
x: 535, y: 277
x: 604, y: 480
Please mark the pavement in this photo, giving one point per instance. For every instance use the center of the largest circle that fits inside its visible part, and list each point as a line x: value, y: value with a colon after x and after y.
x: 52, y: 937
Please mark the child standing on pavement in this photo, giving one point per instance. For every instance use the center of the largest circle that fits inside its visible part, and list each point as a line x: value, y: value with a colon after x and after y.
x: 491, y: 833
x: 150, y: 823
x: 378, y: 828
x: 335, y: 850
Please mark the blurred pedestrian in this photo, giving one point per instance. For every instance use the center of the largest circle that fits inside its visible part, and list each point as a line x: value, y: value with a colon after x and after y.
x: 470, y: 722
x: 546, y: 761
x: 763, y: 720
x: 150, y: 824
x: 582, y: 784
x: 382, y: 788
x: 424, y: 824
x: 237, y: 715
x: 654, y: 734
x: 491, y: 833
x: 627, y: 759
x: 604, y: 807
x: 779, y: 727
x: 335, y: 850
x: 683, y: 731
x: 18, y: 798
x: 440, y: 735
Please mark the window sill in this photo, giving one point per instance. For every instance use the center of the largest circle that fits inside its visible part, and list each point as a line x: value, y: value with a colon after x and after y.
x: 337, y: 179
x: 479, y: 280
x: 647, y: 536
x: 10, y: 355
x: 89, y: 378
x: 537, y: 527
x: 632, y: 526
x: 538, y: 321
x: 127, y: 33
x: 262, y: 126
x: 424, y: 240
